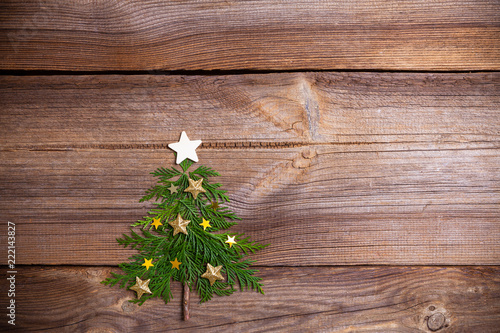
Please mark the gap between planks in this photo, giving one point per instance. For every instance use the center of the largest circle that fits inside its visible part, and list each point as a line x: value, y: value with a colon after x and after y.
x: 237, y: 72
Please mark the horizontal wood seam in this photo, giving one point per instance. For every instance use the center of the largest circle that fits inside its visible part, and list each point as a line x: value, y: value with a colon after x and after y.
x: 232, y: 145
x: 233, y: 72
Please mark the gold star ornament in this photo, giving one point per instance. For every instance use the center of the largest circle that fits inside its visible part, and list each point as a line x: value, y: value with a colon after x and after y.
x: 205, y: 224
x: 156, y: 223
x: 172, y: 188
x: 212, y: 274
x: 141, y: 287
x: 230, y: 240
x: 179, y: 225
x: 195, y: 187
x: 175, y: 264
x: 147, y: 263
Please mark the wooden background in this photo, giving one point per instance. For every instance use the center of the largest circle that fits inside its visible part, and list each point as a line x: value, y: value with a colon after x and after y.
x: 359, y: 138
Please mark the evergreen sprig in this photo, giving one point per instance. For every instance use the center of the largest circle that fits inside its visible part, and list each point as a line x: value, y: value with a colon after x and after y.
x: 194, y: 250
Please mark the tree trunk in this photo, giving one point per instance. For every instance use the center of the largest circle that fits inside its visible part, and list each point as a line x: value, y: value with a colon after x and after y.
x: 185, y: 302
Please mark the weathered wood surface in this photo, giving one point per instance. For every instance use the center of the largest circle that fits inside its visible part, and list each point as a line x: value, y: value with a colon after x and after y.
x: 330, y: 168
x: 316, y: 205
x: 272, y: 110
x: 263, y: 35
x: 357, y: 168
x: 308, y: 299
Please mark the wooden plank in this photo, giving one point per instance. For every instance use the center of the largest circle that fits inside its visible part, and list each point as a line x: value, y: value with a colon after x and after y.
x: 308, y: 299
x: 264, y: 35
x: 392, y: 168
x: 272, y: 110
x: 316, y: 205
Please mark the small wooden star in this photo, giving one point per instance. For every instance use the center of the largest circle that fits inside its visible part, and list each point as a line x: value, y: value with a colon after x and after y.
x: 214, y: 205
x: 185, y: 148
x: 195, y: 187
x: 230, y: 240
x: 205, y: 224
x: 173, y: 188
x: 212, y: 274
x: 179, y: 225
x: 156, y: 223
x: 141, y: 287
x: 147, y: 263
x: 175, y: 264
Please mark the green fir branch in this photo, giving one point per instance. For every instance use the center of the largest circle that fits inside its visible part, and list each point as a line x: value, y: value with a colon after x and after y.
x: 185, y: 164
x: 194, y: 250
x: 156, y: 192
x: 205, y: 172
x: 166, y: 173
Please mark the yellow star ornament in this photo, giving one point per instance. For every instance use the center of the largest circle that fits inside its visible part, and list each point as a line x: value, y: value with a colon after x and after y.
x: 179, y: 225
x: 147, y: 263
x: 156, y: 223
x: 175, y: 264
x: 212, y: 274
x: 141, y: 287
x: 205, y: 224
x: 195, y: 187
x: 230, y: 240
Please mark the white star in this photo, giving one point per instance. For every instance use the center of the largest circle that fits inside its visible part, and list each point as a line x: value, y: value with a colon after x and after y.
x: 185, y: 148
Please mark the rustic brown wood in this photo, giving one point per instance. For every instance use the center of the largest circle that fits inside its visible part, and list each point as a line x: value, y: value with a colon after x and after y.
x: 308, y: 299
x: 265, y: 34
x: 330, y: 168
x: 387, y: 168
x: 316, y: 205
x: 273, y: 110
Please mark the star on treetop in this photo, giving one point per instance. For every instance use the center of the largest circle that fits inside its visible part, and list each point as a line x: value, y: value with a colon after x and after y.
x: 185, y: 148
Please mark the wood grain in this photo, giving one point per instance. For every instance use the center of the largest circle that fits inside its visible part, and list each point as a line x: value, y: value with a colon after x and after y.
x: 332, y: 168
x: 249, y: 111
x: 316, y: 205
x: 354, y: 169
x: 309, y: 299
x: 106, y: 35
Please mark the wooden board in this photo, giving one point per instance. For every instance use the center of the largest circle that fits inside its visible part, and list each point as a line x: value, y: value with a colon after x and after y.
x: 317, y: 205
x: 249, y: 35
x: 250, y: 111
x: 333, y: 168
x: 308, y: 299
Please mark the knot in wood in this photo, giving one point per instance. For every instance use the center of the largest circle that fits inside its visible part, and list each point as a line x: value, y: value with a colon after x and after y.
x: 128, y: 307
x: 308, y: 153
x: 304, y: 160
x: 436, y: 321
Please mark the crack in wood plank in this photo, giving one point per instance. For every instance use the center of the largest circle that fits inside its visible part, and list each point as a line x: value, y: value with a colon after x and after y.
x: 311, y: 108
x: 255, y: 145
x: 159, y: 146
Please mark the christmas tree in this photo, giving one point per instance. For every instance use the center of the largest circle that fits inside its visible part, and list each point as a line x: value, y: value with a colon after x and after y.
x: 181, y: 239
